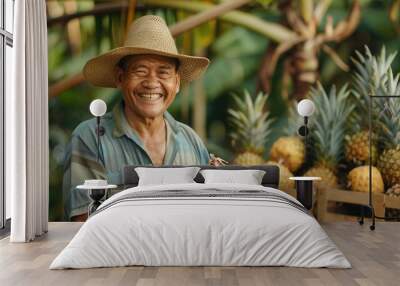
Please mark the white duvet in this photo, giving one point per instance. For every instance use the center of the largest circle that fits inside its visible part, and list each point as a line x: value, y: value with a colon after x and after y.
x: 200, y: 231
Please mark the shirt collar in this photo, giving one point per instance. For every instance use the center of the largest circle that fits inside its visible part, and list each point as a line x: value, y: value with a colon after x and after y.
x: 122, y: 126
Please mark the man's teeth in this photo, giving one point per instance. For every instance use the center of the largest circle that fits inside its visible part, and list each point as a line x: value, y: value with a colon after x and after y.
x: 150, y: 96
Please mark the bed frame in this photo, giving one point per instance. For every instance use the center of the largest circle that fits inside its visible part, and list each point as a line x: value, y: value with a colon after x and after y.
x: 270, y: 179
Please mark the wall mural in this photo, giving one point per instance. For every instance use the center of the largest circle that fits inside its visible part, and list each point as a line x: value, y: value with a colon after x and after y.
x: 172, y: 107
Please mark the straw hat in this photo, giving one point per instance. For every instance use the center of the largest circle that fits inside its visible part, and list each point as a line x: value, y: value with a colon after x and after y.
x: 147, y: 35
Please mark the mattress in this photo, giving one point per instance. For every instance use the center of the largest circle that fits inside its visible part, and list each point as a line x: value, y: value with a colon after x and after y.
x: 201, y: 225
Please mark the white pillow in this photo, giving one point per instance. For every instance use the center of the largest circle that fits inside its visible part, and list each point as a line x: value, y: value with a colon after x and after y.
x: 248, y: 177
x: 163, y: 176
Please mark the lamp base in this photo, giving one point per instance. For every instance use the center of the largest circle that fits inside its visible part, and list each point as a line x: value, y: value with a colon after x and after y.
x: 96, y: 195
x: 304, y: 193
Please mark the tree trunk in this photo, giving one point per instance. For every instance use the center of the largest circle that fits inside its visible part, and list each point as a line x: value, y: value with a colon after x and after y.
x: 305, y: 69
x: 199, y: 107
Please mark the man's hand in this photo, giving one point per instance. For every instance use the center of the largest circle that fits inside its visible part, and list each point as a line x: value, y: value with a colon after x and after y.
x: 217, y: 161
x: 81, y: 218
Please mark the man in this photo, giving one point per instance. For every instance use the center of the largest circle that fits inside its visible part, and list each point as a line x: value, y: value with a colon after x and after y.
x: 139, y: 131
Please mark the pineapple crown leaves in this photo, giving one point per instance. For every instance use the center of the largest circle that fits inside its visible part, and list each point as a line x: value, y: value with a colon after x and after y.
x: 389, y: 113
x: 330, y: 123
x: 374, y: 76
x: 371, y: 73
x: 250, y: 122
x: 393, y: 84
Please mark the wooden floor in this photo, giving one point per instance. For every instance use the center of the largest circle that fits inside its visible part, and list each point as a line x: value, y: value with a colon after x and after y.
x: 375, y: 257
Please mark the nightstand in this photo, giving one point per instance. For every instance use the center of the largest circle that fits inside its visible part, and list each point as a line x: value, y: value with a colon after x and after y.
x: 97, y: 194
x: 304, y: 190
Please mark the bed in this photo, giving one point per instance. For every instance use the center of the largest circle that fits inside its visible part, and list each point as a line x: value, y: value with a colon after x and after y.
x: 201, y: 224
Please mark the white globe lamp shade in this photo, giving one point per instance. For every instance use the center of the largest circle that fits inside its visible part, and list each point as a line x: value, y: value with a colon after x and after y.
x: 305, y: 108
x: 98, y: 107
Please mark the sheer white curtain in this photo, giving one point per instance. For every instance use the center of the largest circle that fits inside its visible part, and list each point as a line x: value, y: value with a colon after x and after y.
x: 27, y: 150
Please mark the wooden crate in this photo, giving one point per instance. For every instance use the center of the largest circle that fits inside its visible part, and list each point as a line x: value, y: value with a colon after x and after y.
x: 379, y: 201
x: 392, y: 202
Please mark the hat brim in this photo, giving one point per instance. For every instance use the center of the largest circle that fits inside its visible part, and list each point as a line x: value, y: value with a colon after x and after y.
x: 99, y: 71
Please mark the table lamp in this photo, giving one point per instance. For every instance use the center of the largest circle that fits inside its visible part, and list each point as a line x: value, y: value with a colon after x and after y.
x: 304, y: 185
x: 98, y: 108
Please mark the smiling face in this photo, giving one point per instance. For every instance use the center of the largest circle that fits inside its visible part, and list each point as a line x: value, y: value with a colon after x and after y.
x: 148, y: 83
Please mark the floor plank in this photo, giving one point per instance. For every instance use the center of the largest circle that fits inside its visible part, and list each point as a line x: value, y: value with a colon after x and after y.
x: 375, y: 257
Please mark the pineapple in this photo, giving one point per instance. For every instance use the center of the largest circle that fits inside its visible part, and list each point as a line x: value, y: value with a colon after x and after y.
x: 327, y: 174
x: 389, y: 161
x: 366, y: 79
x: 251, y: 128
x: 357, y: 149
x: 374, y: 76
x: 248, y: 158
x: 358, y: 180
x: 329, y: 125
x: 389, y: 164
x: 289, y: 151
x: 393, y: 192
x: 284, y: 174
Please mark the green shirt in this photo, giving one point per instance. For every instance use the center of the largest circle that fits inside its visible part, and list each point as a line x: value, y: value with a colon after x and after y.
x: 120, y: 146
